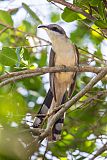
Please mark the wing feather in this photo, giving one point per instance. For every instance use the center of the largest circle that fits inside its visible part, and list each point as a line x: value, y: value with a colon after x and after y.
x: 72, y: 86
x: 52, y: 75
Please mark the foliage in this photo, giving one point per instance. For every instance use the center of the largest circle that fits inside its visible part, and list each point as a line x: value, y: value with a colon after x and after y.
x: 20, y: 101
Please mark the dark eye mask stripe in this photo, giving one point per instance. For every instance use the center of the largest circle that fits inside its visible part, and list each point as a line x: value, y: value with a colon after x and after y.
x: 57, y: 30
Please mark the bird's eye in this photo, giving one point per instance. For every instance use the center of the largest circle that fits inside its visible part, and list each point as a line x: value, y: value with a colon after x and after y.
x: 55, y: 29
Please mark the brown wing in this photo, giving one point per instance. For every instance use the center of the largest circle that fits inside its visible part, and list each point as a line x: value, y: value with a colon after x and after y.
x: 52, y: 75
x: 72, y: 86
x: 77, y: 54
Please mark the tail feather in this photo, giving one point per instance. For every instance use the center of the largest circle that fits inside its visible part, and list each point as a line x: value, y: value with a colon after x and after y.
x: 43, y: 110
x: 48, y: 106
x: 57, y: 127
x: 56, y: 130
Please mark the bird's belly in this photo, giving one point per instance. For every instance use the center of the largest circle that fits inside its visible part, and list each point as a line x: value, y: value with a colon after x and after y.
x: 63, y: 77
x: 65, y: 60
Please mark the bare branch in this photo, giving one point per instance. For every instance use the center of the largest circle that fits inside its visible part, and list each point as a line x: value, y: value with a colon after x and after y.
x: 35, y: 46
x: 15, y: 76
x: 3, y: 30
x: 93, y: 56
x: 92, y: 99
x: 100, y: 151
x: 25, y: 33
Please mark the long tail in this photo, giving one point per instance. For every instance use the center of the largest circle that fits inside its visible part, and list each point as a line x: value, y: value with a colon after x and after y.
x: 43, y: 110
x: 48, y: 106
x: 57, y: 127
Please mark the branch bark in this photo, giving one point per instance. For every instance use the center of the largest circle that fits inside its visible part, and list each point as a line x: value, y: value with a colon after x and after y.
x: 25, y: 33
x: 100, y: 151
x: 15, y: 76
x: 105, y: 2
x: 74, y: 8
x: 92, y: 99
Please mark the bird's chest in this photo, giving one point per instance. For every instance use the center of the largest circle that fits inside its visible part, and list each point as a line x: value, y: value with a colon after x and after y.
x: 64, y: 51
x: 63, y: 59
x: 65, y: 56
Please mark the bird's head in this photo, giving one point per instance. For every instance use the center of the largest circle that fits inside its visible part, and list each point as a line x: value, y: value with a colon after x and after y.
x: 54, y: 31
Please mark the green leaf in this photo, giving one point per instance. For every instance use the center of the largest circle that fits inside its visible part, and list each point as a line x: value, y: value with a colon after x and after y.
x: 94, y: 2
x: 101, y: 9
x: 11, y: 106
x: 26, y: 54
x: 104, y: 154
x: 27, y: 26
x: 8, y: 57
x: 31, y: 13
x: 55, y: 17
x: 101, y: 23
x: 81, y: 3
x: 70, y: 16
x: 77, y: 36
x: 33, y: 83
x: 43, y: 59
x: 5, y: 18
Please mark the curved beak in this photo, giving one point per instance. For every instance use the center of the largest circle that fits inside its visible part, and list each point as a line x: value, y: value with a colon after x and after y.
x: 43, y: 26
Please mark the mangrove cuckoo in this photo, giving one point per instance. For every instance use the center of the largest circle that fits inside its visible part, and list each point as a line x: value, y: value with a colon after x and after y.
x: 63, y: 53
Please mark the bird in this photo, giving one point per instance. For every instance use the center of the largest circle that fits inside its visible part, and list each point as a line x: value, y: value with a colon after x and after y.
x: 62, y: 84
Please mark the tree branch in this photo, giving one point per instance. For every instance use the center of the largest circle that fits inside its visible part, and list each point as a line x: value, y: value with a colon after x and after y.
x: 105, y: 2
x: 65, y: 107
x: 25, y: 33
x: 80, y: 10
x: 100, y: 151
x: 68, y: 104
x: 74, y: 8
x: 15, y: 76
x: 92, y: 99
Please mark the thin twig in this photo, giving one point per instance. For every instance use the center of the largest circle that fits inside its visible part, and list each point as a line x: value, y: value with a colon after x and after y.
x: 3, y: 30
x: 57, y: 6
x: 93, y: 29
x: 100, y: 151
x: 36, y: 46
x: 93, y: 98
x: 95, y: 57
x: 25, y: 33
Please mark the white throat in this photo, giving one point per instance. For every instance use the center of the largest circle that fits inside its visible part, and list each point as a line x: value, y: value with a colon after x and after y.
x: 60, y: 42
